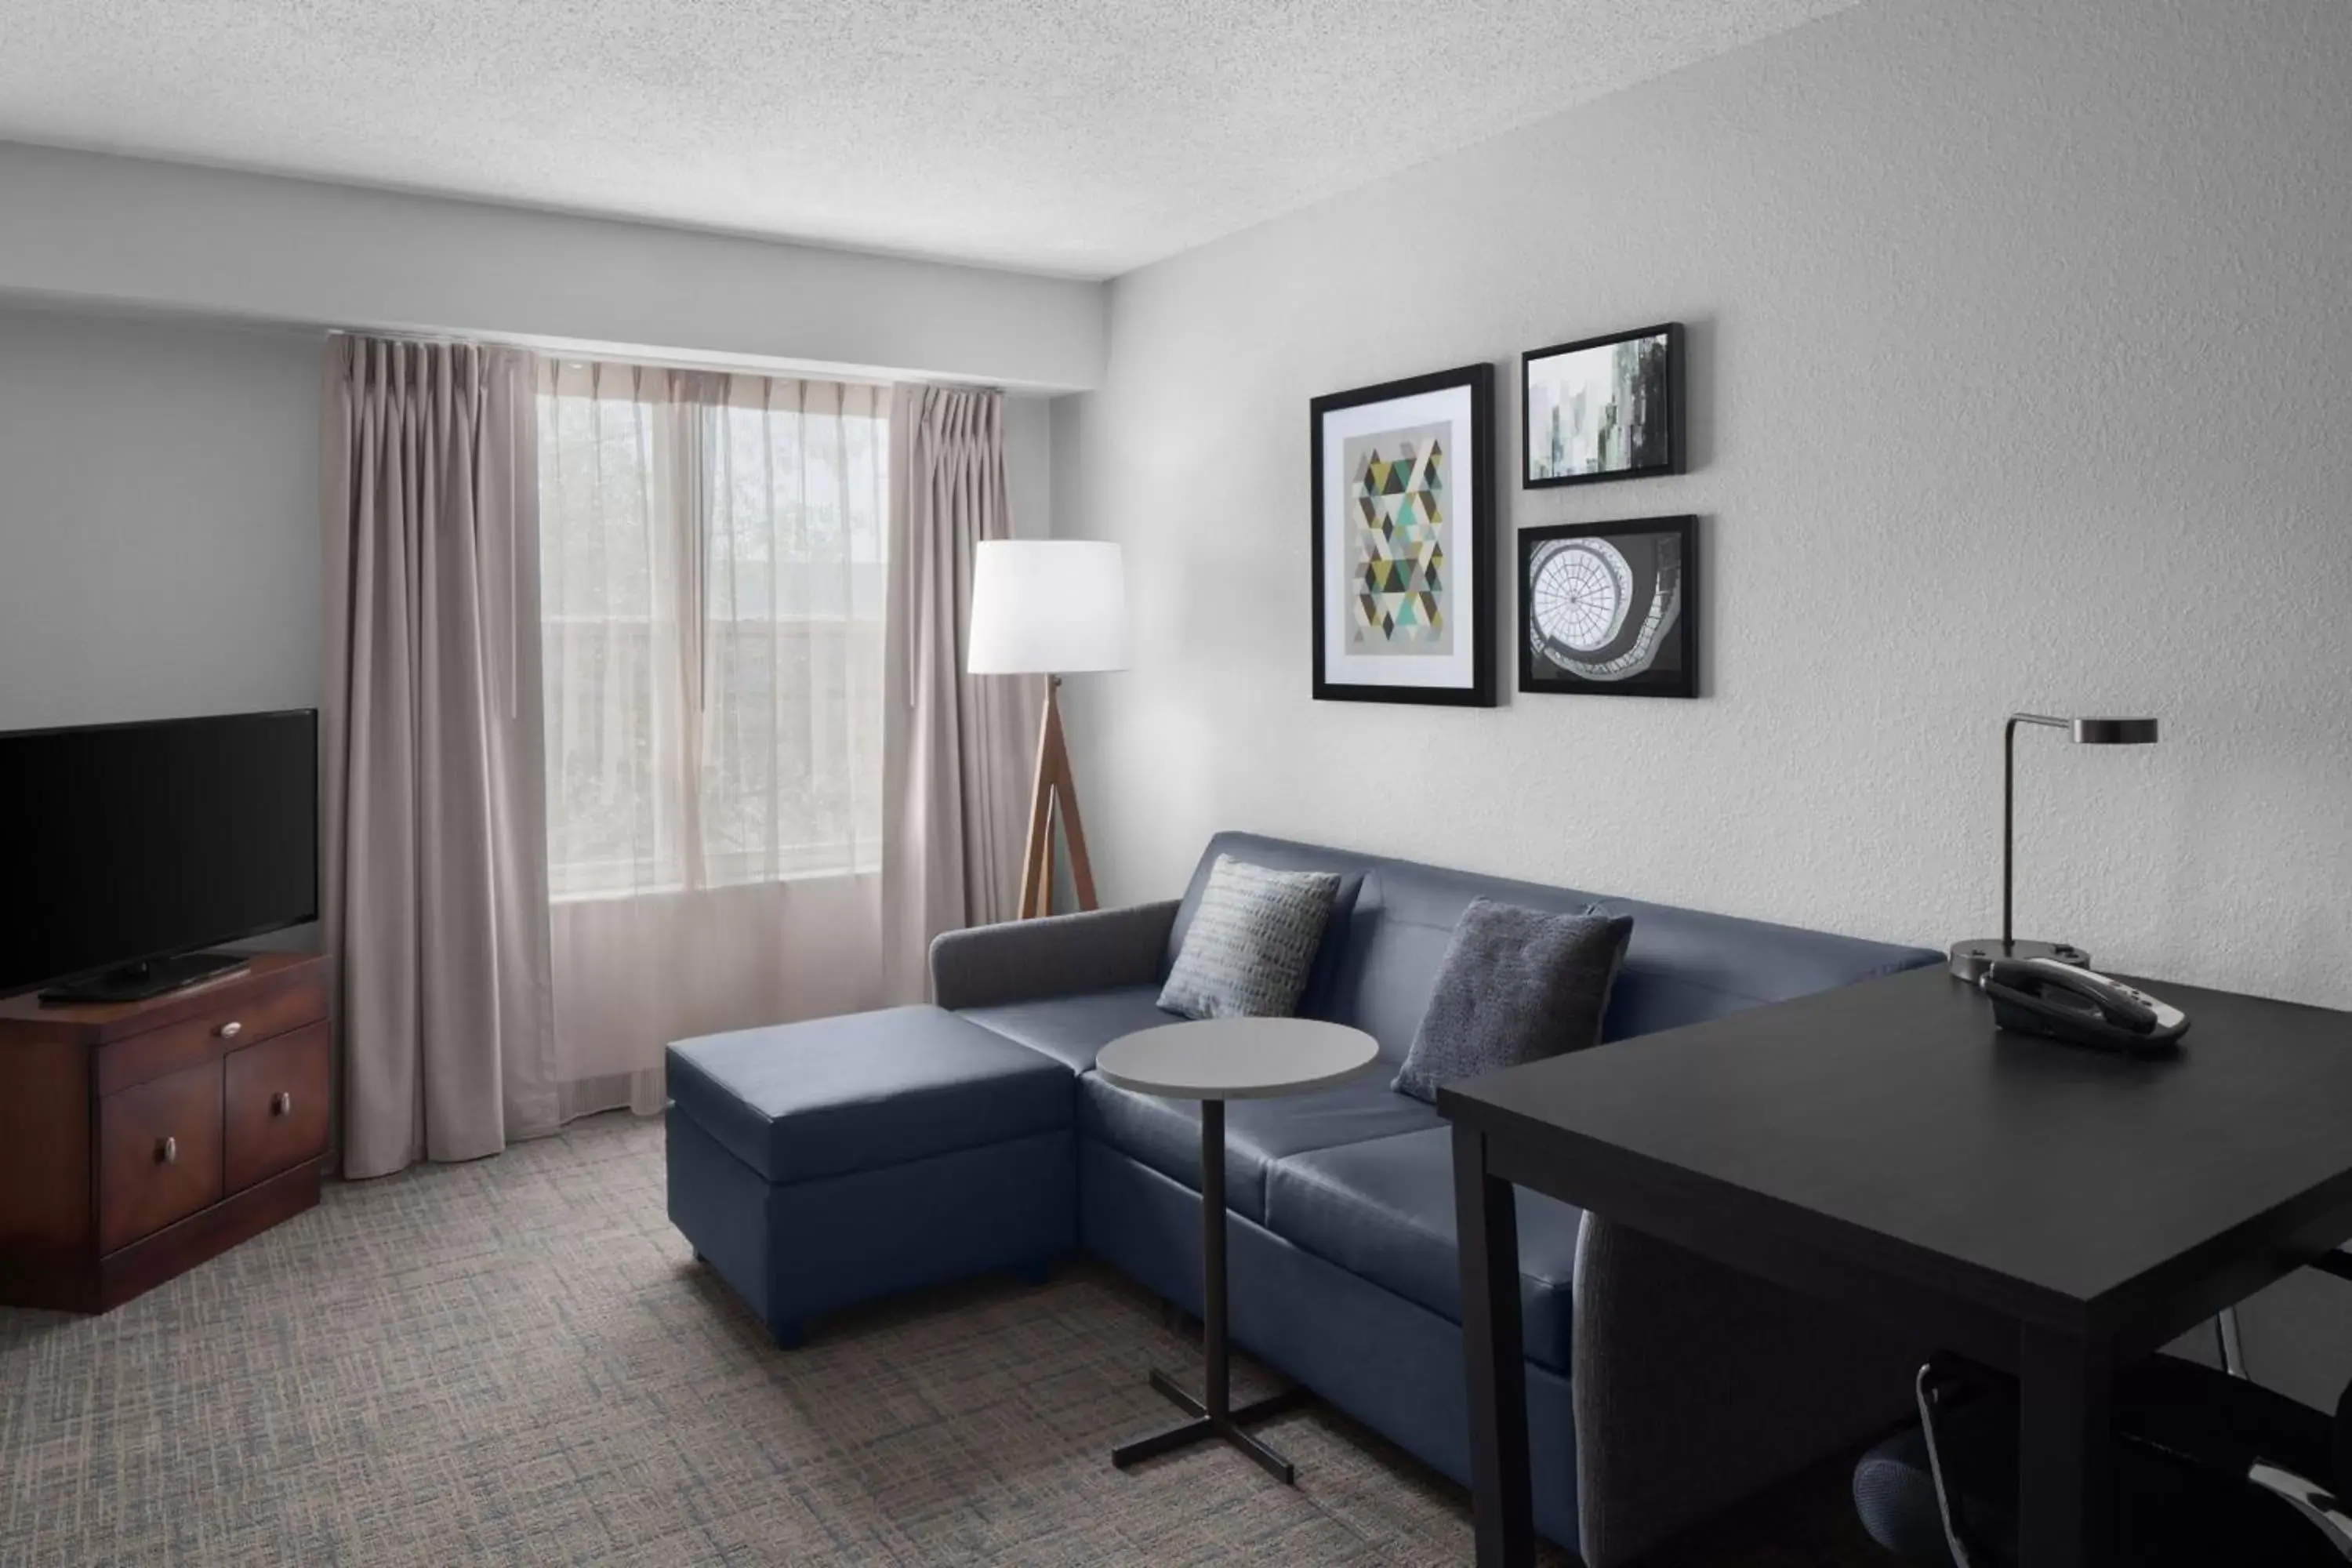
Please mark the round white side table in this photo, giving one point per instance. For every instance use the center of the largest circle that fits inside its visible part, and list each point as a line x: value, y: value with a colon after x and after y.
x: 1213, y: 1060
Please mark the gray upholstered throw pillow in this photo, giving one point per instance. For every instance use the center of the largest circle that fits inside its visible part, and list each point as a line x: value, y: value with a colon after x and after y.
x: 1251, y: 943
x: 1515, y: 985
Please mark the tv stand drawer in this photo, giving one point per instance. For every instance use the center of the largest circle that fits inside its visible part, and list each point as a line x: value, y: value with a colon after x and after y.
x: 276, y: 1105
x: 247, y: 1011
x: 159, y: 1153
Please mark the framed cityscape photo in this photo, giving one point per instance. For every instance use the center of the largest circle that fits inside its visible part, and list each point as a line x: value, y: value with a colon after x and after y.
x: 1606, y: 408
x: 1609, y: 609
x: 1403, y: 584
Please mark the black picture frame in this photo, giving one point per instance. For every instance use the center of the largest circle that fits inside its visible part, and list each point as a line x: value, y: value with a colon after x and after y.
x: 1671, y: 667
x: 1470, y: 566
x: 1669, y: 456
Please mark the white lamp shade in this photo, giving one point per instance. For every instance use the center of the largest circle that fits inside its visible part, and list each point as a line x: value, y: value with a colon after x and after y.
x: 1046, y: 607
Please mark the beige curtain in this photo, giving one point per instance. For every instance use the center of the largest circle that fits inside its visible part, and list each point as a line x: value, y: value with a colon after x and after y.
x: 712, y: 550
x: 956, y: 748
x: 434, y: 884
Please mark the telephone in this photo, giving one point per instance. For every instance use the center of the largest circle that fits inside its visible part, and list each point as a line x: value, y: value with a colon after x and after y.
x: 2043, y: 996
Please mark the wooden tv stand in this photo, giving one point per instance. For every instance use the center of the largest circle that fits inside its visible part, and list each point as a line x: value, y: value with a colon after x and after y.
x: 139, y: 1139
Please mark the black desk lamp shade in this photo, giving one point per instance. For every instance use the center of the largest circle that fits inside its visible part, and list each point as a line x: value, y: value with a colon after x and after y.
x: 1970, y: 958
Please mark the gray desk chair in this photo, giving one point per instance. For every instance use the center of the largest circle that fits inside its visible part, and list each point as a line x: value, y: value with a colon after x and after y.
x: 2209, y: 1467
x: 1696, y: 1385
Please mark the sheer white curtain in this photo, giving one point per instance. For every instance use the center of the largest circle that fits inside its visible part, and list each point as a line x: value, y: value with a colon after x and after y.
x: 711, y: 565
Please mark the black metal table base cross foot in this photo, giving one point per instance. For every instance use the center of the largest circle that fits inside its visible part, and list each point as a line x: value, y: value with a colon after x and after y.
x: 1213, y: 1416
x: 1204, y: 1426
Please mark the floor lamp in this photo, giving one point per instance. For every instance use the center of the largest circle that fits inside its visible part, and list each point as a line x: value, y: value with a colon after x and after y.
x: 1050, y: 607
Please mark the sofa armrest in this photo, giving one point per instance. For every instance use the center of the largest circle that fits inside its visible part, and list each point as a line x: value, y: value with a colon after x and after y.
x: 1696, y: 1385
x: 1023, y: 961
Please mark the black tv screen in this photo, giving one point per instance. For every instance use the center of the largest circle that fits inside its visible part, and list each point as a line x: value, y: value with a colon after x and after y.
x: 130, y: 842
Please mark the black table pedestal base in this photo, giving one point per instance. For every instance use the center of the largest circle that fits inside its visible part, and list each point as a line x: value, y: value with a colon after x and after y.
x: 1204, y: 1426
x: 1215, y: 1415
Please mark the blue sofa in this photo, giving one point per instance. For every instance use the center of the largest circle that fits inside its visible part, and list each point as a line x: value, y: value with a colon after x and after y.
x: 1342, y: 1258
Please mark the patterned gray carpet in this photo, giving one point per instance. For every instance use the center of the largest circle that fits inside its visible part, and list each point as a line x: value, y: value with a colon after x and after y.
x: 517, y: 1361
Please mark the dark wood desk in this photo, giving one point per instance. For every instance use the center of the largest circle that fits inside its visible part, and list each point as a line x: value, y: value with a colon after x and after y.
x: 2046, y: 1210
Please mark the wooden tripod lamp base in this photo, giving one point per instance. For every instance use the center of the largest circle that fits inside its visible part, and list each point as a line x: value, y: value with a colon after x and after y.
x: 1055, y: 794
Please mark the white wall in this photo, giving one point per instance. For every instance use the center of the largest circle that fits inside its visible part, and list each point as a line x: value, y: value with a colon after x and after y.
x: 159, y: 519
x: 1029, y: 463
x: 2022, y: 351
x: 124, y: 232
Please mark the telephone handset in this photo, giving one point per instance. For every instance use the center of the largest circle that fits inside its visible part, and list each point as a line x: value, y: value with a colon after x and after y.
x: 2043, y: 996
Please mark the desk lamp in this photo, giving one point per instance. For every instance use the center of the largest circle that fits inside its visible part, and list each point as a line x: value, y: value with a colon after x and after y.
x: 1970, y: 958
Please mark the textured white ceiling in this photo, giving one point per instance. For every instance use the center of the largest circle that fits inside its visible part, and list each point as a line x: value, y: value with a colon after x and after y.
x: 1080, y: 136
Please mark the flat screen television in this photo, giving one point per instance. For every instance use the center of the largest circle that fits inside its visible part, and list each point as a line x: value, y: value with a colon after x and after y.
x: 129, y: 848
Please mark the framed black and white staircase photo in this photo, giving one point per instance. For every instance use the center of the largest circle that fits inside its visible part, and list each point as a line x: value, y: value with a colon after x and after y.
x: 1609, y: 609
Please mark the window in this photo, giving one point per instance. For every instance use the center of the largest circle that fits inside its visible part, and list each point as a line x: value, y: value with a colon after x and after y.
x: 711, y: 570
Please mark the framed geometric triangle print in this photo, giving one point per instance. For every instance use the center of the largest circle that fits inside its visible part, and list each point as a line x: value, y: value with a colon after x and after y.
x: 1403, y: 524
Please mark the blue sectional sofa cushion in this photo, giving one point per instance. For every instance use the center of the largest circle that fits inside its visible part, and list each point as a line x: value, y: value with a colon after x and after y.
x: 1253, y: 940
x: 1072, y: 1030
x: 1384, y: 1209
x: 1165, y: 1134
x: 1315, y: 1001
x: 801, y: 1101
x: 1682, y: 966
x: 1515, y: 985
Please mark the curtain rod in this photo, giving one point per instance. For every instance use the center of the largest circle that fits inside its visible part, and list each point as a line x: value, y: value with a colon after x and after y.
x: 773, y: 370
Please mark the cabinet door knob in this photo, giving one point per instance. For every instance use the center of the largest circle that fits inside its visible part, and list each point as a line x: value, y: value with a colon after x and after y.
x: 281, y: 1103
x: 230, y: 1030
x: 167, y: 1153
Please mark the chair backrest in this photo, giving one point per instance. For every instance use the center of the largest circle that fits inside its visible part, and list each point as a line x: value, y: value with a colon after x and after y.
x: 1681, y: 965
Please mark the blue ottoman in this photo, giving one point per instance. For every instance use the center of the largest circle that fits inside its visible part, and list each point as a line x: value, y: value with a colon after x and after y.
x: 821, y: 1164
